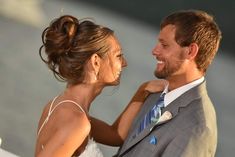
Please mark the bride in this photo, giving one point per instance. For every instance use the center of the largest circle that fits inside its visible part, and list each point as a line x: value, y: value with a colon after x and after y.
x: 87, y: 57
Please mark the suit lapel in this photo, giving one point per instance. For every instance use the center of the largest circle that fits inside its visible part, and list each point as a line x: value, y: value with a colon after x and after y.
x: 132, y: 138
x: 142, y: 135
x: 173, y: 108
x: 185, y: 99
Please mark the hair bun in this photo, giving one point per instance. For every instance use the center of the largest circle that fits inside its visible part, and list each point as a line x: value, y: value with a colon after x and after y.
x: 69, y: 25
x: 58, y: 37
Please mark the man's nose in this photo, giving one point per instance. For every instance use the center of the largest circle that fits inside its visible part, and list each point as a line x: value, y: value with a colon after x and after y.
x: 155, y: 50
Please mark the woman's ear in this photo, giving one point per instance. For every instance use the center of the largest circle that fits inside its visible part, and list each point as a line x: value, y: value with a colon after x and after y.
x: 192, y: 51
x: 95, y: 62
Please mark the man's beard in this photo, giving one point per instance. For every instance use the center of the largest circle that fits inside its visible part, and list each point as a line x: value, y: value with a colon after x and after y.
x: 168, y: 69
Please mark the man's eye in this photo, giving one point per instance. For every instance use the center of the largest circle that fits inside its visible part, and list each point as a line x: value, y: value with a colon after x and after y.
x: 164, y: 45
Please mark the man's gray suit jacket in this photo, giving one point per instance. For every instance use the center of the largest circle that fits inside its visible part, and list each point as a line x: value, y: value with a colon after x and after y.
x: 191, y: 132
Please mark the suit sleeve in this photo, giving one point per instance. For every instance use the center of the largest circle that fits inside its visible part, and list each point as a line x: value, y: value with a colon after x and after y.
x: 194, y: 142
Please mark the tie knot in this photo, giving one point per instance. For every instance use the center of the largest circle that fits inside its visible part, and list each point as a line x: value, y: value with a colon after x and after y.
x: 163, y: 94
x: 160, y: 101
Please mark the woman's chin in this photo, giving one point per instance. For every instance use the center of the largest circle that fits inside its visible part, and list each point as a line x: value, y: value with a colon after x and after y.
x: 114, y: 83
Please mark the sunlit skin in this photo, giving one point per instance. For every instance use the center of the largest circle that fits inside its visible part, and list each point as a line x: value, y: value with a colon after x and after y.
x: 114, y: 61
x: 175, y: 62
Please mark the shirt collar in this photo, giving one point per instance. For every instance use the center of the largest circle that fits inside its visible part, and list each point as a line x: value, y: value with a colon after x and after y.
x: 172, y: 95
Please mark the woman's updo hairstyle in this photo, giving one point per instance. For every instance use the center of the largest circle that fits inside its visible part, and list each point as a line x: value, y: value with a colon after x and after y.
x: 69, y: 43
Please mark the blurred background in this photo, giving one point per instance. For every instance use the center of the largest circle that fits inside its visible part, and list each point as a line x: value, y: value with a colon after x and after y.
x: 26, y: 84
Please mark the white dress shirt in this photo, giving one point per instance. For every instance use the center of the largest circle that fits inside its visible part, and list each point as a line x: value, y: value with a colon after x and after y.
x: 172, y: 95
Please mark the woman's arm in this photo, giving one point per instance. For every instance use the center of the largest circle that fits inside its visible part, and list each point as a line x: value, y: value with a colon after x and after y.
x: 115, y: 134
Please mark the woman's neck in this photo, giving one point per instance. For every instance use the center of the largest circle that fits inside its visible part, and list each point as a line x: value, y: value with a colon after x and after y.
x: 83, y: 94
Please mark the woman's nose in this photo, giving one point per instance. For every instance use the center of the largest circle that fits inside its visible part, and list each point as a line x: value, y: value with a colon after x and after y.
x: 124, y: 62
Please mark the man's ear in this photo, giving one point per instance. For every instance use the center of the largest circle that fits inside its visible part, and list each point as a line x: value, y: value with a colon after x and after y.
x: 95, y: 62
x: 192, y: 51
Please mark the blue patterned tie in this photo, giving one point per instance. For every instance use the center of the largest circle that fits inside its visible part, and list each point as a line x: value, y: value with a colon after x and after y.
x: 153, y: 115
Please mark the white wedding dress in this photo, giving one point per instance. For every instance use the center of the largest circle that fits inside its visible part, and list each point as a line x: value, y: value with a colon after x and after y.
x: 92, y: 149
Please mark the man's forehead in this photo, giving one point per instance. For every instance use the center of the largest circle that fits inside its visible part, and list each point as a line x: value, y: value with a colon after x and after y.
x: 166, y: 32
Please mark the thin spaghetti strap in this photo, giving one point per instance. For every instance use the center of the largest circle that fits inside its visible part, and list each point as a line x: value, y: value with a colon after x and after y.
x: 51, y: 105
x: 52, y: 109
x: 70, y: 102
x: 48, y: 115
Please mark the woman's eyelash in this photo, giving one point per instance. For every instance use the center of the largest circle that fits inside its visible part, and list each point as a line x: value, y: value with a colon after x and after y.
x: 120, y: 55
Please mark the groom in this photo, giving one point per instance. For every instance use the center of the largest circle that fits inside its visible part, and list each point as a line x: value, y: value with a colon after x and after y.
x: 187, y: 44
